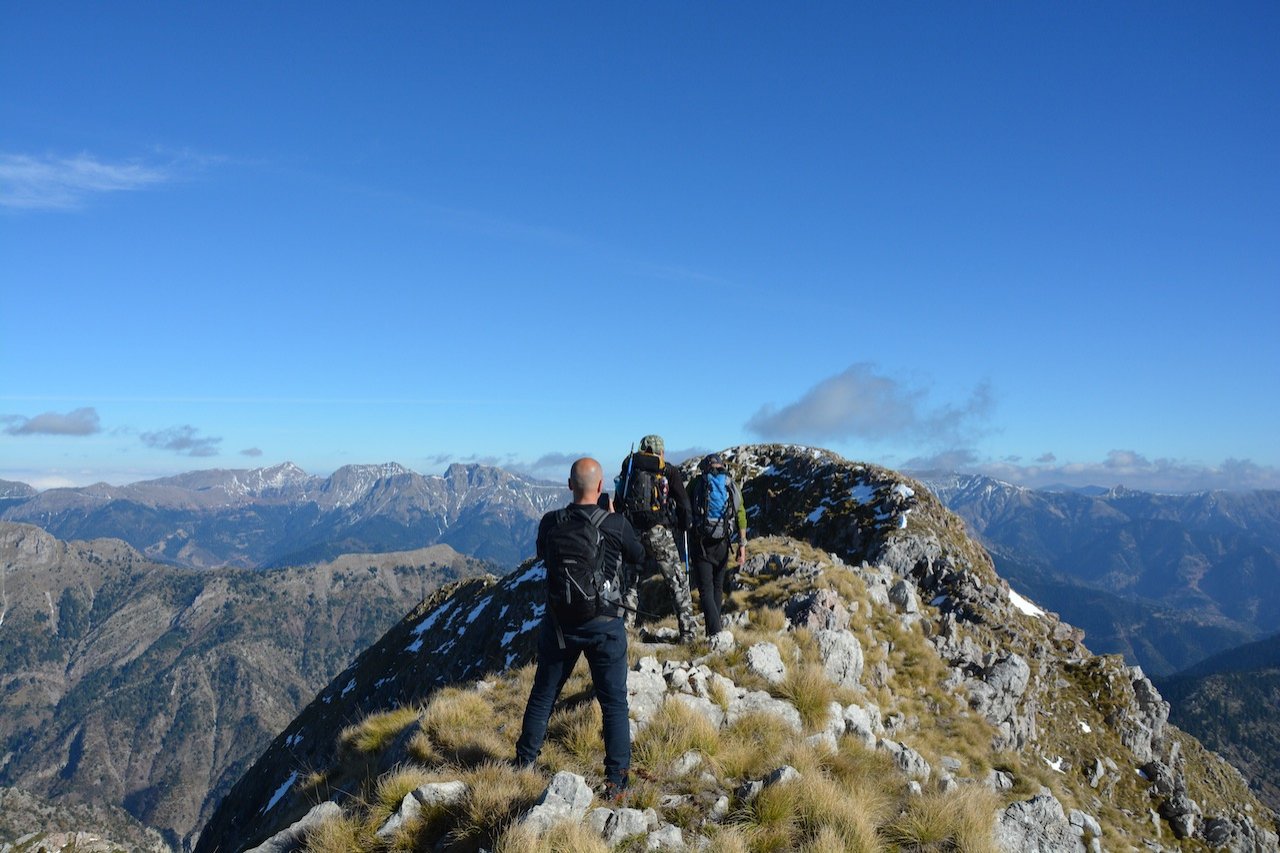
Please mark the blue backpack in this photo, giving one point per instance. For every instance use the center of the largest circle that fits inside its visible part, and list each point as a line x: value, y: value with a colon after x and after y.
x: 713, y: 506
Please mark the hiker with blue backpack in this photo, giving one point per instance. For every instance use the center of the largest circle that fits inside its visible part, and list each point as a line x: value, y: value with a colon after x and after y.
x: 583, y: 548
x: 717, y: 510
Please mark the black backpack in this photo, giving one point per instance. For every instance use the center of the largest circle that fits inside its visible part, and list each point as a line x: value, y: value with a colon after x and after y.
x: 578, y: 586
x: 644, y: 497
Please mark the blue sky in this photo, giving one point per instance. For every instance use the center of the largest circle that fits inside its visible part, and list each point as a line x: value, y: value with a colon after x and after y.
x: 1036, y: 240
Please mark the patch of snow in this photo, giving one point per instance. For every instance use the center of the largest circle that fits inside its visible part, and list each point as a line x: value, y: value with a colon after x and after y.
x: 524, y: 626
x: 293, y: 740
x: 902, y: 490
x: 816, y: 515
x: 425, y: 624
x: 863, y: 493
x: 351, y: 685
x: 280, y: 792
x: 1084, y: 727
x: 479, y: 608
x: 535, y: 572
x: 902, y: 521
x: 1056, y: 764
x: 939, y: 601
x: 1024, y: 605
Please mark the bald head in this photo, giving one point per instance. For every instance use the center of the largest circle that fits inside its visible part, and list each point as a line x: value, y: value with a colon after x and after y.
x: 585, y: 480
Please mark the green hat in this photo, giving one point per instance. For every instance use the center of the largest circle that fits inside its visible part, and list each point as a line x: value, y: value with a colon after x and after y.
x: 651, y: 444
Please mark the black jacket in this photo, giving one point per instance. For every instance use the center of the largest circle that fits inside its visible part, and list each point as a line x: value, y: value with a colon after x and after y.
x: 678, y: 497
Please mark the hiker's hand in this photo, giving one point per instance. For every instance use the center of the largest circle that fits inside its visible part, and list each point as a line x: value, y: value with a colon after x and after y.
x: 742, y: 554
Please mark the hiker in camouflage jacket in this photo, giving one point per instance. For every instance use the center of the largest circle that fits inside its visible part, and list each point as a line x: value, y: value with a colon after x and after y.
x: 663, y: 539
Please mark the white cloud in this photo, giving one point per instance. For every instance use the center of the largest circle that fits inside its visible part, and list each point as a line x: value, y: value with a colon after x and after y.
x: 77, y: 422
x: 861, y: 403
x: 65, y: 183
x: 183, y: 440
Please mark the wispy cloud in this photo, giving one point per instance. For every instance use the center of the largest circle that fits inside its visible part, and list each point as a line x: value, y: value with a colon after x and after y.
x: 183, y: 440
x: 1120, y: 468
x: 66, y: 183
x: 77, y: 422
x: 251, y: 451
x: 862, y: 403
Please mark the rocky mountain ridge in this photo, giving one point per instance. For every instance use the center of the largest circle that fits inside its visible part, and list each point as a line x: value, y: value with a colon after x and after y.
x: 128, y: 683
x: 283, y: 516
x: 931, y: 671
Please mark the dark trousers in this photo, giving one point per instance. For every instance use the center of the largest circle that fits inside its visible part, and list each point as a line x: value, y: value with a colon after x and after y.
x: 709, y: 558
x: 604, y: 643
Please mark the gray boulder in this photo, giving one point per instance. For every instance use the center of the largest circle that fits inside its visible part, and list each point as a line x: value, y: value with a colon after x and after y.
x: 842, y: 657
x: 822, y: 609
x: 757, y: 701
x: 1037, y: 825
x: 617, y: 825
x: 765, y: 661
x: 292, y: 838
x: 567, y: 798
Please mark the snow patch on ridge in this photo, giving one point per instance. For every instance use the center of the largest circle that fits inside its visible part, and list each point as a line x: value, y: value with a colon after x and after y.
x: 1024, y: 605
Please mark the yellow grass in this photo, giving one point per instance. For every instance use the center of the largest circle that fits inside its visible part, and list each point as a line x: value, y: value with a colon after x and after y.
x: 375, y: 732
x: 674, y: 730
x: 962, y: 821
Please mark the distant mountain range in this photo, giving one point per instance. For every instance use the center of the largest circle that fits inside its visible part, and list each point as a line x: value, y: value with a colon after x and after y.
x: 128, y: 683
x: 1166, y: 580
x: 282, y: 516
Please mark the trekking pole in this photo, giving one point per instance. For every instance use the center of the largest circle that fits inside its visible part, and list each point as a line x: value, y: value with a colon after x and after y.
x: 631, y: 460
x: 686, y: 553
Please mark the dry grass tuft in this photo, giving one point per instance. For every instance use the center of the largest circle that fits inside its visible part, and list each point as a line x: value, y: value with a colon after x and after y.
x: 728, y: 839
x: 674, y: 730
x: 496, y: 795
x: 751, y: 745
x: 561, y: 838
x: 376, y: 731
x: 574, y: 740
x: 390, y: 793
x: 338, y: 835
x: 962, y: 820
x: 808, y: 688
x: 769, y: 620
x: 853, y: 813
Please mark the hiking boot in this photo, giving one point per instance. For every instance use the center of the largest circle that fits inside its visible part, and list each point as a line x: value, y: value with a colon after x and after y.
x: 614, y: 792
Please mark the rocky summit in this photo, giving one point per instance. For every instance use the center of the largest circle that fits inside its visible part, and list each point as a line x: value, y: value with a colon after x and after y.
x: 878, y: 687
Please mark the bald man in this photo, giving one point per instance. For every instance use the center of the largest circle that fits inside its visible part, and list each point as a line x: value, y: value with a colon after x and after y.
x: 601, y: 637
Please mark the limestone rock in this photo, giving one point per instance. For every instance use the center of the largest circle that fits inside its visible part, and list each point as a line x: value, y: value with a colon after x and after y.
x: 764, y: 660
x: 1037, y: 825
x: 566, y: 798
x: 290, y: 839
